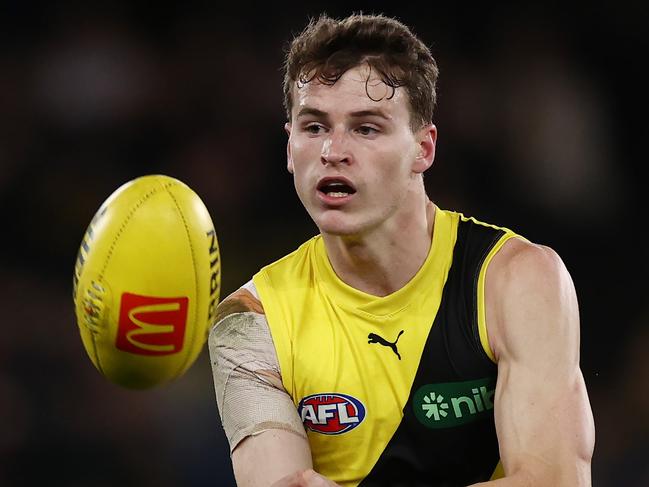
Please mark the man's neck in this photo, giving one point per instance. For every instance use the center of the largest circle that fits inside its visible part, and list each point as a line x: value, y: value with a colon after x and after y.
x: 385, y: 261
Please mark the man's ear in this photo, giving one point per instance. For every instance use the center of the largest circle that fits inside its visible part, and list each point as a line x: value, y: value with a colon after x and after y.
x: 427, y: 140
x: 289, y: 157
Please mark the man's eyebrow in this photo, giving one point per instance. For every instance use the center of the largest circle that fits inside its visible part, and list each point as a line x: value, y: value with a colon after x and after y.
x: 304, y: 111
x: 311, y: 111
x: 370, y: 113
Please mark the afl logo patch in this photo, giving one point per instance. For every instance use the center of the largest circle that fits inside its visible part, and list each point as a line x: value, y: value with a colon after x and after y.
x: 331, y: 413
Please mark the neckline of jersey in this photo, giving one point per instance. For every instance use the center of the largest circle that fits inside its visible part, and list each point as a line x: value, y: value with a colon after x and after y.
x: 435, y: 266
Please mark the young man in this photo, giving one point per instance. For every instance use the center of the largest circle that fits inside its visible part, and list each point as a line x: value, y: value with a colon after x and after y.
x: 405, y: 344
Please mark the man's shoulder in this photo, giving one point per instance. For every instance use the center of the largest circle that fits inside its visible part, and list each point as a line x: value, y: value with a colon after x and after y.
x: 525, y: 268
x: 521, y: 260
x: 243, y: 300
x: 248, y: 298
x: 524, y: 278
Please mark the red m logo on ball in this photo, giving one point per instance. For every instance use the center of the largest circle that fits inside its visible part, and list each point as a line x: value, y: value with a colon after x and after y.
x: 150, y: 325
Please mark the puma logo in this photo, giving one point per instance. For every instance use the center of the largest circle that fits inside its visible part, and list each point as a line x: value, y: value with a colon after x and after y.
x: 374, y: 338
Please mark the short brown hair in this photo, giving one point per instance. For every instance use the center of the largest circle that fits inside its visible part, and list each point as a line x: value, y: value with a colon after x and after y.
x: 327, y: 48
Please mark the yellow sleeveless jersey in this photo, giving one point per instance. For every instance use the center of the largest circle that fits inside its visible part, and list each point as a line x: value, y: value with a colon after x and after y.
x: 394, y: 389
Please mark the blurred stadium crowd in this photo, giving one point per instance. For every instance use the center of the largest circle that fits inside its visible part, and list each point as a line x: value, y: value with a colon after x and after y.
x: 542, y: 128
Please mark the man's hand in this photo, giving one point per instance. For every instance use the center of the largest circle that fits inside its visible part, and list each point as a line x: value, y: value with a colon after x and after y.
x: 304, y: 478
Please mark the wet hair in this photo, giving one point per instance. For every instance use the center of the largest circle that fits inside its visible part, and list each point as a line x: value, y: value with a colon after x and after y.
x: 327, y: 48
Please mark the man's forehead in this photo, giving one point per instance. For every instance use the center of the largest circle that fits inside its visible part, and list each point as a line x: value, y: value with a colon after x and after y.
x: 361, y: 87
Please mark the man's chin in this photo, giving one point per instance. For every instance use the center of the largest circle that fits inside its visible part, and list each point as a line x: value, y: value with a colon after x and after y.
x: 339, y: 223
x: 338, y: 228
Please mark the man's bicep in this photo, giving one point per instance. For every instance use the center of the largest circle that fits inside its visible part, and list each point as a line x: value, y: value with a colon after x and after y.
x: 545, y: 429
x: 258, y: 415
x: 543, y: 416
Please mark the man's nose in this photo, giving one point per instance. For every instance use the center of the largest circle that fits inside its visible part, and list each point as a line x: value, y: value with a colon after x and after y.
x: 335, y: 149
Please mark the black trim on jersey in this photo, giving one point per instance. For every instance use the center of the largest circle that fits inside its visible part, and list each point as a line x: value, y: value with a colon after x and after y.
x: 418, y: 455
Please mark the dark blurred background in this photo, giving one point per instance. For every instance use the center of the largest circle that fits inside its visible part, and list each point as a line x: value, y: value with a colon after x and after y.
x: 543, y: 128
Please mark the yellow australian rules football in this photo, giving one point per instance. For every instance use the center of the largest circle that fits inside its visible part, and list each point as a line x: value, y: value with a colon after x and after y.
x: 147, y: 282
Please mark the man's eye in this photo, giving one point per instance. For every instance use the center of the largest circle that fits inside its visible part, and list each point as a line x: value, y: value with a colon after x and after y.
x: 366, y: 130
x: 313, y: 128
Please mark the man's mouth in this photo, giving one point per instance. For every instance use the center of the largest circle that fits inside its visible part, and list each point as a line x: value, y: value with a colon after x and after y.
x: 336, y: 187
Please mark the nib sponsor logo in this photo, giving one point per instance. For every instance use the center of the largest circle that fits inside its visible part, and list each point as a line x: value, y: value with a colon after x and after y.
x: 451, y: 404
x: 434, y: 406
x: 331, y: 413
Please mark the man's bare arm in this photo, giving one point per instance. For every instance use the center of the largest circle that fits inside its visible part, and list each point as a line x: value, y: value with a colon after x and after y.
x: 543, y: 417
x: 269, y: 457
x: 266, y: 435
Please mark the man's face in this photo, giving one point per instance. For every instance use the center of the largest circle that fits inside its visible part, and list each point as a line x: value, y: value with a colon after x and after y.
x: 356, y: 162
